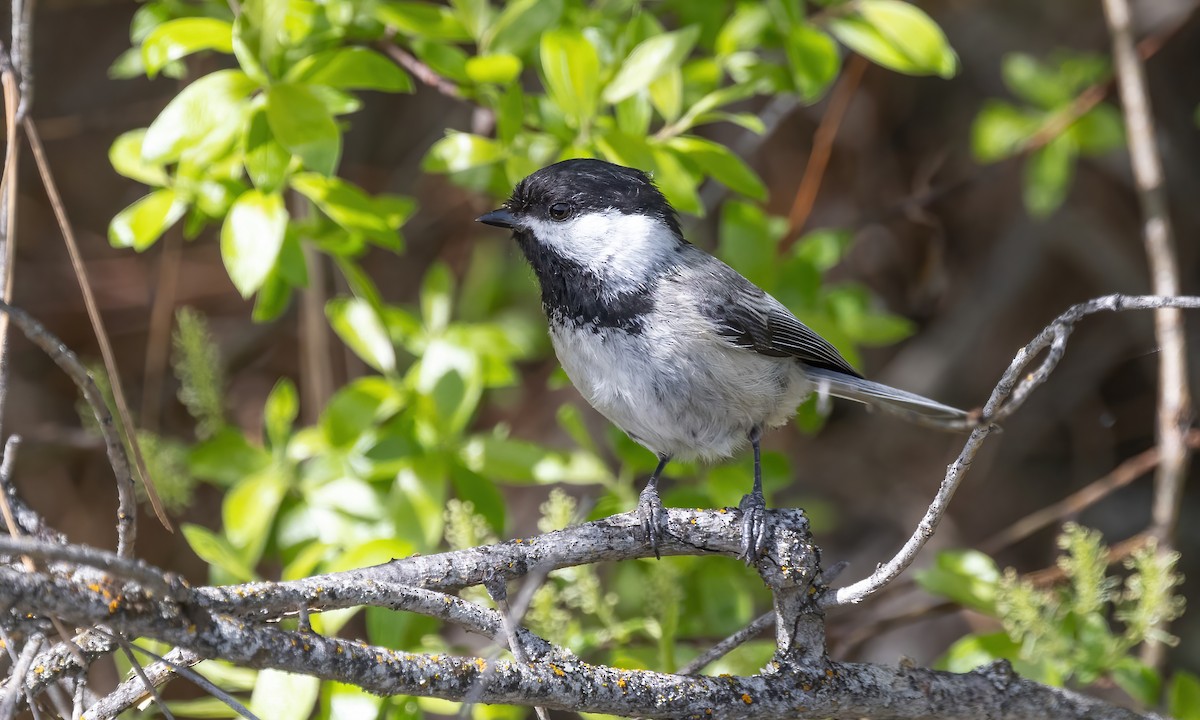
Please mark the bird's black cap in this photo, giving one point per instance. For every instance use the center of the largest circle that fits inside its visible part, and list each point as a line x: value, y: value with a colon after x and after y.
x: 586, y: 185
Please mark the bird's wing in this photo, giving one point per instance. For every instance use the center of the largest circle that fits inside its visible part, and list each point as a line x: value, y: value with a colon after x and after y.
x: 747, y: 317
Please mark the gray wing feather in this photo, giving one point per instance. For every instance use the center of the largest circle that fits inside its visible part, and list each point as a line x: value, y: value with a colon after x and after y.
x: 747, y: 317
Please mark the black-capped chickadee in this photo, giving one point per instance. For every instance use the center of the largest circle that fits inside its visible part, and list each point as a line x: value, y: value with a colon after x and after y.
x: 672, y: 345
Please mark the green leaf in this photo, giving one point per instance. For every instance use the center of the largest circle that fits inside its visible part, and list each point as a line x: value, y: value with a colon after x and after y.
x: 226, y: 458
x: 350, y: 207
x: 283, y: 405
x: 260, y: 36
x: 650, y: 60
x: 446, y: 60
x: 283, y: 695
x: 449, y: 383
x: 1100, y: 130
x: 125, y: 154
x: 272, y: 298
x: 666, y: 94
x: 201, y: 121
x: 897, y: 35
x: 424, y: 20
x: 814, y: 60
x: 248, y: 512
x: 216, y: 551
x: 1183, y: 698
x: 252, y: 237
x: 519, y: 24
x: 1001, y: 130
x: 744, y: 29
x: 974, y: 650
x: 460, y: 151
x: 1142, y: 682
x: 142, y: 223
x: 677, y: 183
x: 967, y: 577
x: 482, y: 493
x: 266, y: 160
x: 473, y: 14
x: 437, y: 298
x: 721, y: 163
x: 175, y: 39
x: 498, y: 68
x: 304, y: 125
x: 1048, y: 174
x: 571, y: 69
x: 824, y: 248
x: 1033, y: 81
x: 517, y: 461
x: 353, y: 68
x: 358, y: 325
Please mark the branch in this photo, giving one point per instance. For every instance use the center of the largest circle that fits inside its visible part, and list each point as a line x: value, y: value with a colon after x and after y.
x: 1010, y: 393
x: 1174, y: 402
x: 66, y: 360
x: 810, y: 688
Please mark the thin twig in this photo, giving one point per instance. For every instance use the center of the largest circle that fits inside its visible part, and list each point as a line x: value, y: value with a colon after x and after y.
x: 66, y: 360
x: 1174, y: 402
x: 139, y: 671
x: 418, y: 69
x: 158, y: 341
x: 8, y: 211
x: 1010, y: 393
x: 106, y: 352
x: 818, y: 159
x: 176, y: 662
x: 316, y: 371
x: 729, y: 644
x: 148, y: 576
x: 8, y: 708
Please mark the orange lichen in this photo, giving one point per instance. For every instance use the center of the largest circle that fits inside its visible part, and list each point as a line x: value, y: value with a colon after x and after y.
x: 481, y: 664
x: 556, y: 670
x: 747, y: 699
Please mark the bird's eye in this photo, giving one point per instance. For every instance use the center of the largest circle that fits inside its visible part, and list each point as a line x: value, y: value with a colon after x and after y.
x: 560, y: 211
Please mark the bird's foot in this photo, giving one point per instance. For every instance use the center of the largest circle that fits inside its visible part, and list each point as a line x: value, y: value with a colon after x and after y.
x: 754, y: 526
x: 653, y: 518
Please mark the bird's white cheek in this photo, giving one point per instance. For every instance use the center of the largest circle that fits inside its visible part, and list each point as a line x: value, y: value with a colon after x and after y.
x: 608, y: 242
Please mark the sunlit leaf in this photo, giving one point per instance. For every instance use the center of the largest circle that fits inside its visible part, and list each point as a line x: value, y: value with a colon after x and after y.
x: 350, y: 207
x: 425, y: 20
x: 650, y: 60
x: 142, y: 223
x: 499, y: 68
x: 284, y: 696
x: 203, y: 116
x: 266, y: 160
x: 355, y: 68
x: 175, y: 39
x: 283, y: 405
x: 721, y: 163
x: 519, y: 24
x: 460, y: 151
x: 358, y: 325
x: 215, y: 550
x: 897, y: 35
x: 251, y: 238
x: 571, y: 69
x: 303, y: 124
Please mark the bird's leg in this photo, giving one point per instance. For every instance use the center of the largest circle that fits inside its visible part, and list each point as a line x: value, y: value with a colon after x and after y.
x: 650, y: 508
x: 754, y: 507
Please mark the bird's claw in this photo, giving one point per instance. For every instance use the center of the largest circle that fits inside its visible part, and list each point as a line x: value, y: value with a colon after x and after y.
x: 754, y: 526
x: 653, y: 518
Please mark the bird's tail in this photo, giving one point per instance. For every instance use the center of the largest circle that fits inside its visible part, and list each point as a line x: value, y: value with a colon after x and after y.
x: 886, y: 398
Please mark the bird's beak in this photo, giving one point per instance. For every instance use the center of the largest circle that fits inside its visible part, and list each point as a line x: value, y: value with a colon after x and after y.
x: 498, y: 218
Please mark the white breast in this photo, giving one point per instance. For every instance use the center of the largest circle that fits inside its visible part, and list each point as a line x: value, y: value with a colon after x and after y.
x: 677, y: 389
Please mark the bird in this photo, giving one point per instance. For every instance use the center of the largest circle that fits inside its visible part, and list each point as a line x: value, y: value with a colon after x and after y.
x: 676, y: 348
